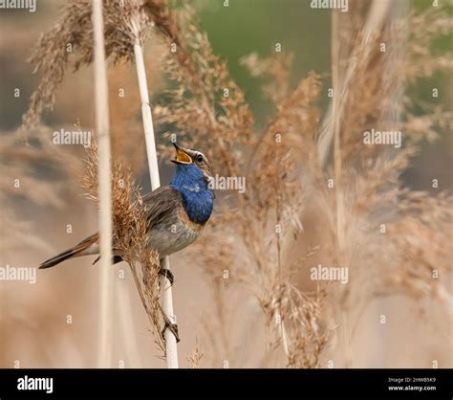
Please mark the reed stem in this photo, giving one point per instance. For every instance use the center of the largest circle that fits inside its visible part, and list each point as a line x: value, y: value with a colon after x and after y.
x: 171, y: 351
x: 105, y: 343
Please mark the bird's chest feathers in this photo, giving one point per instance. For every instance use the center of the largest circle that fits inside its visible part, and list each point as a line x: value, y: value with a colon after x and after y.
x: 198, y: 200
x: 198, y: 203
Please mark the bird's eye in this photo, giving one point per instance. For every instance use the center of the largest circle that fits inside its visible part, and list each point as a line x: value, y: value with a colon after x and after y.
x: 199, y: 158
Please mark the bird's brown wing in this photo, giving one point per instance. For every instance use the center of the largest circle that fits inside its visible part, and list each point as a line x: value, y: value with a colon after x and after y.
x: 162, y: 206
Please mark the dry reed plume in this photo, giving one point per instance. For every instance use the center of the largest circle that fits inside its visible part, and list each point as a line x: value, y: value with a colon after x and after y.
x: 130, y: 237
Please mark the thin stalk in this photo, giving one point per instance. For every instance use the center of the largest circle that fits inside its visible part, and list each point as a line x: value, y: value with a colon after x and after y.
x: 375, y: 20
x: 126, y: 326
x: 331, y: 129
x: 104, y: 191
x: 337, y: 161
x: 279, y: 314
x: 171, y: 351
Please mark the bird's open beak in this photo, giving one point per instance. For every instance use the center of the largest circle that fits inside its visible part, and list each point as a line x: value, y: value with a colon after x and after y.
x: 182, y: 156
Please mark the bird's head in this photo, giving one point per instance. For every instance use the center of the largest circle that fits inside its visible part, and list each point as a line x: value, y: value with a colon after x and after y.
x: 192, y: 158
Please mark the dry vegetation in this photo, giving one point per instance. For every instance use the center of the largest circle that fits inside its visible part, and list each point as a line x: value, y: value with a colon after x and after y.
x: 288, y: 195
x: 130, y: 237
x: 262, y: 243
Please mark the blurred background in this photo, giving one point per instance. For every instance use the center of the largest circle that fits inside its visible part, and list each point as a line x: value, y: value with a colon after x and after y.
x: 53, y: 323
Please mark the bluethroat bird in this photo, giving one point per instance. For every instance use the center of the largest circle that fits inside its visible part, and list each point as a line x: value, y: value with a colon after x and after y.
x: 176, y: 214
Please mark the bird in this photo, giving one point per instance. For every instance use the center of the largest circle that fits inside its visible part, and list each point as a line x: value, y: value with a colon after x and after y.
x: 176, y: 213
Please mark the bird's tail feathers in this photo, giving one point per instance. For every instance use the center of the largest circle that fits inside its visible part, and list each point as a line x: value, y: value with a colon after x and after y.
x: 85, y: 247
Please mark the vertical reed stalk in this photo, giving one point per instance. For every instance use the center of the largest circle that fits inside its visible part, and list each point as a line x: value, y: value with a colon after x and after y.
x: 337, y: 161
x: 126, y: 326
x: 104, y: 190
x: 374, y: 23
x: 171, y: 350
x: 278, y: 313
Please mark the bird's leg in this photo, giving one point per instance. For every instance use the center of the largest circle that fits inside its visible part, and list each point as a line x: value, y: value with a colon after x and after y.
x: 167, y: 274
x: 169, y: 325
x: 173, y: 329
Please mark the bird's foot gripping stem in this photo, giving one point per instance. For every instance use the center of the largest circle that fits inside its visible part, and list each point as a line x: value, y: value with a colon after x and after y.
x: 172, y: 327
x: 167, y: 274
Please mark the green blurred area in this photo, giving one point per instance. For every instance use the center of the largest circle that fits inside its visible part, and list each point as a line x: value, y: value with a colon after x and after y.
x: 248, y: 26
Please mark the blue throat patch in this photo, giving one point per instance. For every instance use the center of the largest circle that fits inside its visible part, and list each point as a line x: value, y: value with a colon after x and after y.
x: 198, y: 199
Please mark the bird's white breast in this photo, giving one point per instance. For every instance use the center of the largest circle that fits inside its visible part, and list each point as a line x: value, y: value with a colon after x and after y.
x: 170, y: 239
